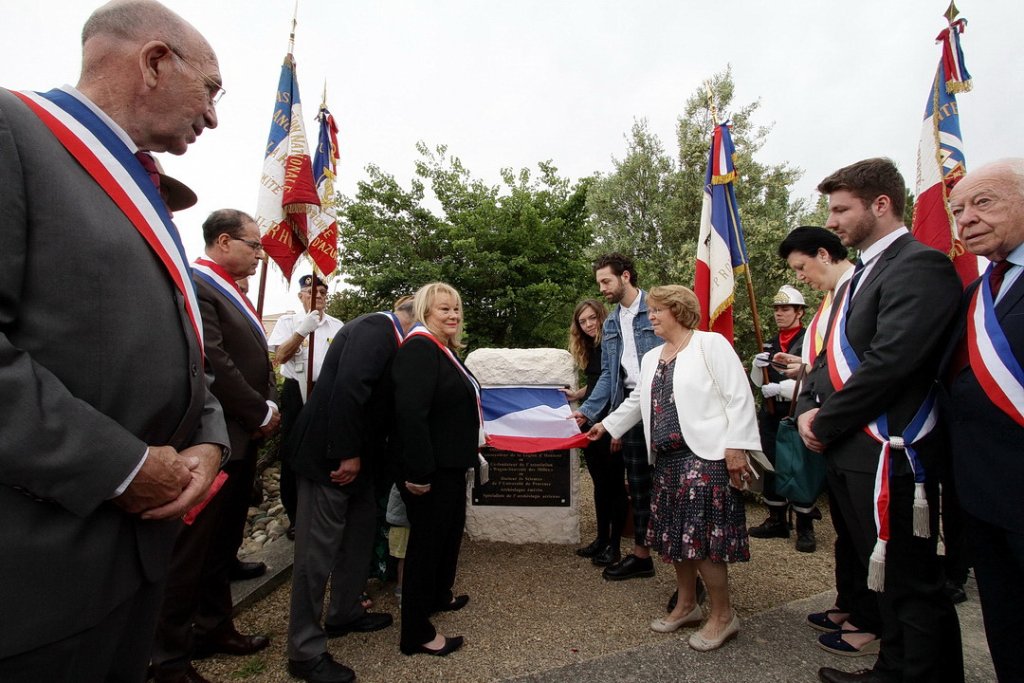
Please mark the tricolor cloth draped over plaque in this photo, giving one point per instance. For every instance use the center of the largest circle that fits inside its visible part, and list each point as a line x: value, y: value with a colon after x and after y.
x: 529, y: 419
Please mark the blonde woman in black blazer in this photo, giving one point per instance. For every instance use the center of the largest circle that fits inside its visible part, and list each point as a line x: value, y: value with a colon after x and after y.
x: 437, y: 429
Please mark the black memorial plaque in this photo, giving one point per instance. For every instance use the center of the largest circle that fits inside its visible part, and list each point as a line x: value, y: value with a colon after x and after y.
x: 525, y: 479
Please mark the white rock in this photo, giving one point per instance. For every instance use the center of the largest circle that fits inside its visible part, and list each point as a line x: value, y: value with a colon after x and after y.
x: 525, y: 524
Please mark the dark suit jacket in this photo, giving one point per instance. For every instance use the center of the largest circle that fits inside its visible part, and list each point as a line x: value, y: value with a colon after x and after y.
x: 351, y: 410
x: 897, y: 324
x: 243, y: 377
x: 97, y: 360
x: 988, y: 446
x: 437, y: 419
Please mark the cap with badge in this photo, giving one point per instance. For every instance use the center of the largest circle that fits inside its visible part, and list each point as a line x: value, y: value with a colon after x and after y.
x: 307, y: 281
x: 788, y: 296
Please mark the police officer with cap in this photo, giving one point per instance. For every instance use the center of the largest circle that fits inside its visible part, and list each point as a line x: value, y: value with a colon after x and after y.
x: 289, y: 342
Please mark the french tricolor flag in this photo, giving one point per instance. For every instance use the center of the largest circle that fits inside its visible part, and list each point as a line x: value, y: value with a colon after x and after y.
x: 529, y: 419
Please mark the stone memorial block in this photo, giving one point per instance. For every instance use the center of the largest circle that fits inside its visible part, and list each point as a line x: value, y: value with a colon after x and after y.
x: 533, y: 497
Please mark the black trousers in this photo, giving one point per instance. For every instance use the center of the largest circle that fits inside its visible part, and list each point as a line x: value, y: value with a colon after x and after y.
x: 610, y: 499
x: 852, y: 592
x: 116, y: 650
x: 198, y: 588
x: 998, y: 556
x: 290, y: 407
x: 436, y: 522
x: 920, y: 628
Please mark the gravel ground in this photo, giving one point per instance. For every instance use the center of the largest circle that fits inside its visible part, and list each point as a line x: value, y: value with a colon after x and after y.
x: 535, y: 607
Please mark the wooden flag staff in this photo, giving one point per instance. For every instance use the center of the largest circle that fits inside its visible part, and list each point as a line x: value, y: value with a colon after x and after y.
x: 769, y: 405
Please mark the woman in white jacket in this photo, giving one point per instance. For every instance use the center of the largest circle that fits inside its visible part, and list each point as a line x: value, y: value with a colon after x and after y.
x: 699, y: 421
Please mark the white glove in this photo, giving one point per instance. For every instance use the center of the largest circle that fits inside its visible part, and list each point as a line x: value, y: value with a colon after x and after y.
x: 308, y: 324
x: 762, y: 360
x: 771, y: 390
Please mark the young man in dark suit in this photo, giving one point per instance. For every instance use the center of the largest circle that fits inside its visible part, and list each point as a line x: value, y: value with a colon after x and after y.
x: 195, y: 620
x: 985, y: 402
x: 880, y: 362
x: 109, y: 433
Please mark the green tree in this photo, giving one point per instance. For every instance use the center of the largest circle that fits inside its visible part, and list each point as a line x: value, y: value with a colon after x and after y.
x: 668, y: 194
x: 515, y: 251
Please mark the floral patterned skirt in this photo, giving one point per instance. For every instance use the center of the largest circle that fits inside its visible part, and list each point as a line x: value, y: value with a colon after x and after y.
x: 695, y: 513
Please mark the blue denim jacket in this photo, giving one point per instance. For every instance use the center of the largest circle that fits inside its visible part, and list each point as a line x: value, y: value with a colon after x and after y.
x: 610, y: 391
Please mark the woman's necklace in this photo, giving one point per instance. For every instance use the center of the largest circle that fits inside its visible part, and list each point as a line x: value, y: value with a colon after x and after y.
x: 679, y: 347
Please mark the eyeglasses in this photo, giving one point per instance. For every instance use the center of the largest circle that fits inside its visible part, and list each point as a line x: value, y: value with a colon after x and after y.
x: 215, y: 88
x: 253, y: 244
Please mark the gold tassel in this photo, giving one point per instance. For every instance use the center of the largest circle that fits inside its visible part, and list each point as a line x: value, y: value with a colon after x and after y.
x: 922, y: 523
x: 876, y: 567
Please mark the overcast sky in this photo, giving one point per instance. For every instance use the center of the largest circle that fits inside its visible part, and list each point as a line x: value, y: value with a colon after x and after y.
x: 508, y: 84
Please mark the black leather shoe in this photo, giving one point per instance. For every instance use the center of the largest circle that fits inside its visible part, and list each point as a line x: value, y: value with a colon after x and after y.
x: 629, y: 567
x: 457, y: 603
x: 955, y: 592
x: 322, y: 669
x: 805, y: 541
x: 189, y: 675
x: 243, y: 571
x: 702, y: 593
x: 609, y: 555
x: 370, y: 621
x: 228, y: 641
x: 827, y: 675
x: 450, y: 645
x: 596, y: 546
x: 773, y: 527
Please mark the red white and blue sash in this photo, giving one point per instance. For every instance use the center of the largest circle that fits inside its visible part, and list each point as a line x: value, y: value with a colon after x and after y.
x: 842, y: 363
x: 420, y: 330
x: 396, y: 323
x: 992, y: 359
x: 221, y: 280
x: 115, y: 169
x: 814, y: 337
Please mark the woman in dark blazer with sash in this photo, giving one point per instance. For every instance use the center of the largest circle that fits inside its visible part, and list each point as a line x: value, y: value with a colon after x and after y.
x: 437, y: 432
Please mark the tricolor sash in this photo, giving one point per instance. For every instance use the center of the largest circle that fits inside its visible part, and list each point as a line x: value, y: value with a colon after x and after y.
x: 420, y: 330
x: 992, y: 359
x: 115, y: 169
x: 842, y: 363
x: 218, y: 278
x: 399, y: 334
x: 814, y: 338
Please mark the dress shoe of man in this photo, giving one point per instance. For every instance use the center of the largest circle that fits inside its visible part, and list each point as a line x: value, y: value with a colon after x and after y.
x: 629, y: 567
x: 243, y: 571
x: 955, y: 592
x: 596, y: 546
x: 827, y: 675
x: 450, y: 645
x: 189, y: 675
x: 369, y: 621
x: 609, y: 555
x: 228, y: 641
x: 698, y: 641
x: 321, y: 669
x: 702, y: 593
x: 457, y: 603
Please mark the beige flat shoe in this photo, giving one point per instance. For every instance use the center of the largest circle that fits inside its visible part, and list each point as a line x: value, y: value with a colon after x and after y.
x: 699, y: 642
x: 666, y: 625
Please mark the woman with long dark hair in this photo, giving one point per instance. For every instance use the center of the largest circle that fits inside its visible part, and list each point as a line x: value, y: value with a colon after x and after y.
x: 605, y: 467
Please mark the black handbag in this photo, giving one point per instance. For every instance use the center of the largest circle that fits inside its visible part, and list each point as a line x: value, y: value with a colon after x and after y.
x: 799, y: 471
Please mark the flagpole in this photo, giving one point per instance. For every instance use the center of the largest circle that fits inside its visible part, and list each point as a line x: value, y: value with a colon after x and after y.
x: 262, y: 286
x: 747, y: 275
x: 313, y: 289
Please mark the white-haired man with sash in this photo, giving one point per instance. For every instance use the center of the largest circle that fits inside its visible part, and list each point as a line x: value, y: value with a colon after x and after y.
x: 986, y: 400
x: 110, y: 434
